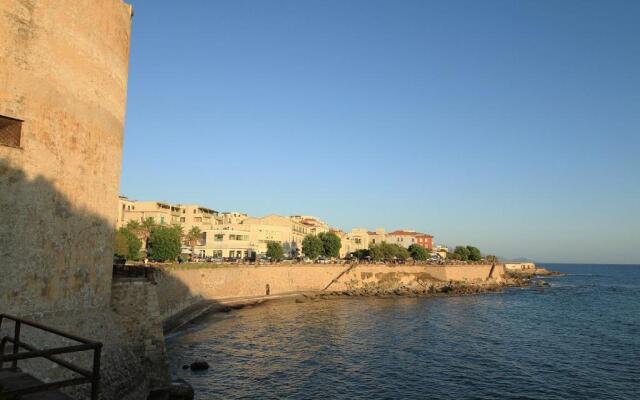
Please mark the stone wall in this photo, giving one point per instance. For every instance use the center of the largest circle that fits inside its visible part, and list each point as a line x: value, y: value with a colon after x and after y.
x: 63, y: 72
x: 182, y: 288
x: 135, y: 300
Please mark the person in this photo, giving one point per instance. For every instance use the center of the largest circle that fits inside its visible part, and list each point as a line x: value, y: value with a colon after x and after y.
x: 268, y: 289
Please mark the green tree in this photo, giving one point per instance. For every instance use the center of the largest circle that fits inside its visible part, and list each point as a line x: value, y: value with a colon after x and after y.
x: 193, y: 237
x: 474, y: 253
x: 142, y: 229
x: 312, y: 246
x: 387, y: 252
x: 127, y: 244
x: 275, y: 251
x: 491, y: 258
x: 400, y: 252
x: 331, y: 244
x: 460, y: 253
x: 165, y: 243
x: 418, y: 252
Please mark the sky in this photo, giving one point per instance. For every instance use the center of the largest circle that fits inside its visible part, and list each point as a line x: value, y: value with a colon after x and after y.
x: 510, y: 125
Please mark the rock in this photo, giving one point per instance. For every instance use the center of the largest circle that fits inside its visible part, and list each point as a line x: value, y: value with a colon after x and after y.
x: 199, y: 365
x: 180, y: 390
x: 185, y: 366
x: 300, y: 301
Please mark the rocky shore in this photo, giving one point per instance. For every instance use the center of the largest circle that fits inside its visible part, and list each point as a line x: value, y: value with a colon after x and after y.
x: 451, y: 289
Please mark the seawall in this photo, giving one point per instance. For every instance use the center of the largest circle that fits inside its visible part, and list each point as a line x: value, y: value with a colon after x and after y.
x: 180, y: 290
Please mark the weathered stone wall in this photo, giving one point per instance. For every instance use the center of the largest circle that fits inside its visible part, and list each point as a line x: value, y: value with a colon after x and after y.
x: 136, y: 302
x: 179, y: 289
x: 63, y: 71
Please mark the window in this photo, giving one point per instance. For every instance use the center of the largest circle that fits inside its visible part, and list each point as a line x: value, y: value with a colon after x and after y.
x: 10, y: 131
x: 183, y: 219
x: 197, y: 219
x: 218, y: 237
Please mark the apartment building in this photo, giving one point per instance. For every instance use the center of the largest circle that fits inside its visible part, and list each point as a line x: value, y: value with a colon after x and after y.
x: 228, y: 241
x: 275, y: 228
x: 250, y: 236
x: 377, y: 237
x: 193, y: 215
x: 312, y: 225
x: 357, y: 239
x: 406, y: 238
x: 231, y: 217
x: 161, y: 213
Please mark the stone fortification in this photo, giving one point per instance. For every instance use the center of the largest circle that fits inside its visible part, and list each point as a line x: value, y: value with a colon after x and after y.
x: 63, y: 86
x: 179, y: 289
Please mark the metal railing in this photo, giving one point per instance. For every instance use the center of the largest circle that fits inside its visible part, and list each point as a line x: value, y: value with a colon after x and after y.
x: 86, y: 376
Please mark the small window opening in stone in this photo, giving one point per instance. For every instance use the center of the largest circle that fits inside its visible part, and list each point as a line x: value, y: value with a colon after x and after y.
x: 10, y: 131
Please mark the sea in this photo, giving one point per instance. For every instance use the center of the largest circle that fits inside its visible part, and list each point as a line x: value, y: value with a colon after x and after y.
x: 578, y: 338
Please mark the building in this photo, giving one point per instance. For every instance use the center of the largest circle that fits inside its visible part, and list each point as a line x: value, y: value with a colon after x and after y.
x: 424, y: 240
x: 161, y: 213
x: 231, y: 217
x: 275, y: 228
x: 251, y: 235
x: 406, y: 238
x: 224, y: 242
x: 312, y: 225
x: 357, y: 239
x: 520, y: 266
x: 193, y: 215
x: 377, y: 237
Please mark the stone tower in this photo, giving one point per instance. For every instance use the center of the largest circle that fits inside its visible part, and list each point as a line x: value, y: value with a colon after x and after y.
x: 63, y: 87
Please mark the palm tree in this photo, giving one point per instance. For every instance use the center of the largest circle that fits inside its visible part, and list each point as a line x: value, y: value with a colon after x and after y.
x: 142, y: 230
x: 193, y: 237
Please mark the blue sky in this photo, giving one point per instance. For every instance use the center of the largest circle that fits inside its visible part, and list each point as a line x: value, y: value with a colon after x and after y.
x: 510, y: 125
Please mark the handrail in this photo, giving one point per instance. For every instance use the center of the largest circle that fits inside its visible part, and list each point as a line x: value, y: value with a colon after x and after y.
x: 86, y: 376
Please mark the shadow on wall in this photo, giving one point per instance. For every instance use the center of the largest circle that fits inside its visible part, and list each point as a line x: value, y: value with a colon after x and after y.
x: 53, y: 256
x: 56, y: 268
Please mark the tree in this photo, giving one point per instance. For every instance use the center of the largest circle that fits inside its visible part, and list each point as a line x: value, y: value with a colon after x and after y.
x: 312, y: 246
x: 460, y: 253
x: 474, y: 253
x: 491, y: 258
x: 193, y: 237
x: 418, y: 252
x: 331, y: 244
x: 385, y: 251
x: 164, y: 243
x: 142, y: 230
x: 275, y: 251
x: 127, y: 244
x: 400, y: 252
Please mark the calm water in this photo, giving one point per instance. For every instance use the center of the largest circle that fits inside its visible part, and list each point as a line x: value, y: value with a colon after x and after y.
x: 578, y: 339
